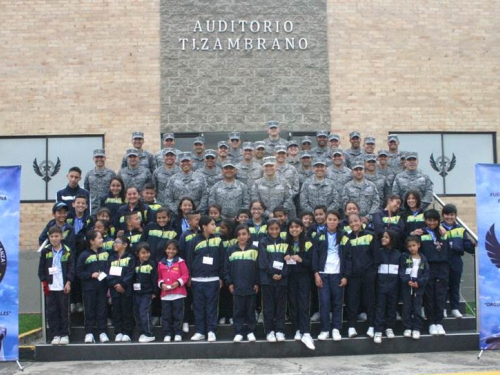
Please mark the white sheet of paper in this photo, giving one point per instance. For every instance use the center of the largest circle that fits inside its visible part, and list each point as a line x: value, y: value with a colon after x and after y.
x: 408, y: 271
x: 137, y: 286
x: 208, y: 260
x: 102, y: 276
x: 383, y: 269
x: 53, y: 270
x: 278, y: 265
x: 291, y: 261
x: 393, y: 269
x: 115, y: 271
x: 255, y: 243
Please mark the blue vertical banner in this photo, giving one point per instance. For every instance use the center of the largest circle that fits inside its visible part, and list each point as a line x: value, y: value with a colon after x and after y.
x: 488, y: 225
x: 10, y: 194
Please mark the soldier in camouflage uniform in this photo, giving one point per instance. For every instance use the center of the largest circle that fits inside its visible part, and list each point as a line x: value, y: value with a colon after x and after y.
x: 383, y: 166
x: 97, y: 180
x: 371, y: 174
x: 235, y: 147
x: 321, y: 150
x: 413, y: 178
x: 222, y: 153
x: 305, y: 170
x: 146, y: 159
x: 286, y: 171
x: 293, y: 152
x: 168, y: 142
x: 249, y: 171
x: 395, y: 154
x: 338, y: 172
x: 319, y: 190
x: 198, y: 154
x: 260, y: 152
x: 306, y: 143
x: 274, y: 139
x: 355, y: 150
x: 134, y: 175
x: 164, y: 173
x: 272, y: 190
x: 363, y: 192
x: 229, y: 193
x: 368, y: 149
x: 210, y: 171
x: 187, y: 184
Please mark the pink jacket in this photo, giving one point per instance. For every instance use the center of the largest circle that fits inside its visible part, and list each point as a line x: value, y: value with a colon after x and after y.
x: 177, y: 272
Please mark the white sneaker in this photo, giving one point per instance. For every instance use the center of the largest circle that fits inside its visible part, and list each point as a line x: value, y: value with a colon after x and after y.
x: 440, y: 330
x: 211, y: 337
x: 147, y: 339
x: 336, y: 335
x: 363, y: 317
x: 126, y: 338
x: 222, y: 321
x: 251, y: 337
x: 389, y: 333
x: 197, y: 337
x: 79, y: 307
x: 89, y: 338
x: 315, y: 317
x: 64, y: 340
x: 352, y: 332
x: 238, y: 338
x: 308, y: 341
x: 177, y: 338
x: 280, y: 336
x: 445, y: 313
x: 407, y: 333
x: 433, y: 330
x: 416, y: 335
x: 167, y: 338
x: 423, y: 314
x: 271, y: 337
x: 141, y: 337
x: 377, y: 339
x: 185, y: 327
x: 297, y: 336
x: 119, y: 337
x: 324, y: 335
x: 56, y: 340
x: 371, y: 332
x: 456, y: 314
x: 72, y: 308
x: 103, y: 338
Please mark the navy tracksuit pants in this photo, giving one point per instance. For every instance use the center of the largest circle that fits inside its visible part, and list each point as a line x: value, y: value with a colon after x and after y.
x: 96, y: 309
x: 361, y: 289
x: 385, y: 311
x: 299, y: 292
x: 244, y: 314
x: 123, y: 314
x: 331, y: 297
x: 172, y: 316
x: 274, y: 306
x: 435, y: 292
x: 205, y: 304
x: 412, y: 308
x: 58, y: 313
x: 142, y: 309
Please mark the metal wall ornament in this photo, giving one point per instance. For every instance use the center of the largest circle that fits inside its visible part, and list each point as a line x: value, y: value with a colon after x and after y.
x: 443, y: 165
x: 47, y: 169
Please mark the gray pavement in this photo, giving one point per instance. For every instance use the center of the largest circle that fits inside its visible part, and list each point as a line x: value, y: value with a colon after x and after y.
x: 425, y: 363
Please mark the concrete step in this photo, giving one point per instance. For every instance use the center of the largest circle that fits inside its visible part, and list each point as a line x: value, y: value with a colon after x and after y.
x: 453, y: 341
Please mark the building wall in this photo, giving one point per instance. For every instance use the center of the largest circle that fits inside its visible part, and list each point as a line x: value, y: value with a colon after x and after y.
x: 82, y: 67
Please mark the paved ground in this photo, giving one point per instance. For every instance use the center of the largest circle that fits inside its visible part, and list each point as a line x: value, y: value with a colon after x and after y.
x: 426, y: 363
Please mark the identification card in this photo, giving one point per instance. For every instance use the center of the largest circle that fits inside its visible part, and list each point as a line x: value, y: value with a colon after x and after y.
x: 102, y: 276
x: 291, y: 261
x: 393, y: 269
x: 255, y: 243
x: 278, y: 265
x: 208, y: 260
x: 408, y: 271
x: 53, y: 270
x: 383, y: 269
x: 115, y: 271
x: 137, y: 286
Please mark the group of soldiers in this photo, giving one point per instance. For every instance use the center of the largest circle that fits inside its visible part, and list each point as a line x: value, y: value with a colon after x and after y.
x: 298, y: 175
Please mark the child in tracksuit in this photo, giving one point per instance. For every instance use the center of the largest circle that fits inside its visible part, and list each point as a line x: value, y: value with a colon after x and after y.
x: 205, y: 260
x: 299, y: 259
x: 274, y: 280
x: 92, y: 269
x: 56, y: 271
x: 435, y: 248
x: 121, y: 266
x: 145, y: 290
x: 157, y: 234
x: 361, y: 249
x: 173, y: 275
x: 60, y: 213
x: 387, y: 286
x: 458, y: 243
x: 241, y: 274
x: 413, y: 273
x: 226, y: 233
x: 331, y: 270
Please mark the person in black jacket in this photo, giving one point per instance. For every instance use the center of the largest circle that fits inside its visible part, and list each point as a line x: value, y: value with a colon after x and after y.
x: 414, y: 274
x: 145, y: 291
x: 92, y: 269
x: 299, y: 259
x: 56, y: 271
x: 241, y: 274
x: 390, y: 218
x: 387, y: 286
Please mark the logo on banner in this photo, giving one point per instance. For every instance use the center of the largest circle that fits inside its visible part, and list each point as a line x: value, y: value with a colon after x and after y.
x: 443, y: 165
x: 47, y: 169
x: 3, y: 262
